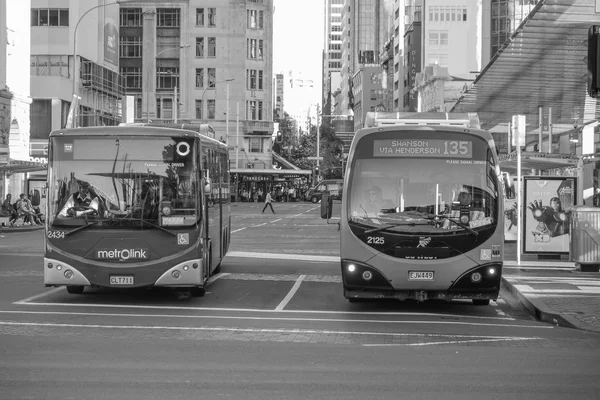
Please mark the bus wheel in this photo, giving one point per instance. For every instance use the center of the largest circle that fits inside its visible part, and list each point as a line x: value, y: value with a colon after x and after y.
x: 481, y: 302
x: 314, y: 199
x: 75, y: 289
x: 197, y: 292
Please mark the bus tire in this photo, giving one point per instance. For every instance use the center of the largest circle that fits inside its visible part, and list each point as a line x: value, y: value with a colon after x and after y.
x: 197, y: 292
x: 481, y: 302
x: 75, y: 289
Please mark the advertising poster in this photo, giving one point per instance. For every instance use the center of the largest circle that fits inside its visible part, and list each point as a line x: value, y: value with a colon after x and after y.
x: 546, y: 222
x: 111, y: 44
x: 509, y: 188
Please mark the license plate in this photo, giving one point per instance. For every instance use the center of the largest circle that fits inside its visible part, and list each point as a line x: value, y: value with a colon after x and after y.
x: 420, y: 275
x: 121, y: 280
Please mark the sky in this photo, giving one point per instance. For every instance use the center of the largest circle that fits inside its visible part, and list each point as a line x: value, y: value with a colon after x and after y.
x: 298, y: 31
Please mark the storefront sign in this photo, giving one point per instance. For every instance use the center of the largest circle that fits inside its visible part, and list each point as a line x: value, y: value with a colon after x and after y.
x: 546, y: 226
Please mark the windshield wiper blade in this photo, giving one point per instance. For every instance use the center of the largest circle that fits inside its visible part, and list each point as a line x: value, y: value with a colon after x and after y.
x: 464, y: 226
x: 80, y: 228
x: 384, y: 227
x: 149, y: 223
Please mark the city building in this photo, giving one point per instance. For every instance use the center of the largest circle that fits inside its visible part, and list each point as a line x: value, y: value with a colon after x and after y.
x: 15, y: 98
x: 412, y: 37
x: 204, y: 61
x: 332, y: 52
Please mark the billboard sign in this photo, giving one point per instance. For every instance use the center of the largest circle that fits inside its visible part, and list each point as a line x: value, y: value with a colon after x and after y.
x: 546, y: 228
x: 111, y: 44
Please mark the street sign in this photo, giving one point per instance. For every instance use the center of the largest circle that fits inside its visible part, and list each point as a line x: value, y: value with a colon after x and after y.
x: 315, y: 158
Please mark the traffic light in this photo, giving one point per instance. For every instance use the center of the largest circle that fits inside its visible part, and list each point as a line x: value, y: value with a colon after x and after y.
x: 594, y: 61
x: 279, y: 137
x: 317, y: 171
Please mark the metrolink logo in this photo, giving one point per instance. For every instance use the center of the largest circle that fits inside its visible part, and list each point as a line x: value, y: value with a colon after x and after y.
x: 122, y: 254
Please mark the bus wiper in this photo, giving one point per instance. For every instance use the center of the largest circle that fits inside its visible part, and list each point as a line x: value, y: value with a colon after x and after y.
x: 464, y: 226
x: 143, y: 221
x: 384, y: 227
x: 87, y: 225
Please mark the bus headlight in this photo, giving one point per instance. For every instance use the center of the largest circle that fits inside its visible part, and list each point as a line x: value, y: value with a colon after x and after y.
x: 492, y: 271
x: 351, y: 268
x: 367, y: 275
x: 68, y: 274
x: 175, y: 274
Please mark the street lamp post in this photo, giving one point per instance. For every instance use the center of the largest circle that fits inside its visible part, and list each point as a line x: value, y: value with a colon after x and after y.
x: 75, y: 95
x: 148, y: 79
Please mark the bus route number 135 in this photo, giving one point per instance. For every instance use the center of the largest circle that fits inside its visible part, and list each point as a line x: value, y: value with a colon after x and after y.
x: 454, y: 147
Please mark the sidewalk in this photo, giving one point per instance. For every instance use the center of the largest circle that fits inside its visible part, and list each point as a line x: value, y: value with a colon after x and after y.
x: 20, y: 228
x: 554, y: 291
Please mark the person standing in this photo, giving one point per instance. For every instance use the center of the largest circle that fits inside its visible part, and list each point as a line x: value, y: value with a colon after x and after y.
x: 268, y: 201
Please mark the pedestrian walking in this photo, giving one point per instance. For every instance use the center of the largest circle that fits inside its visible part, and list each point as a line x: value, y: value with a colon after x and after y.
x: 268, y: 201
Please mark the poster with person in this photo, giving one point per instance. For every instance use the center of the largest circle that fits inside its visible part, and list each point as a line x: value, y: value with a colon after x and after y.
x: 509, y: 189
x: 546, y: 226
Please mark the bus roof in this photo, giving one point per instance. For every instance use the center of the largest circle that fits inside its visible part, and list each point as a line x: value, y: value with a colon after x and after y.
x: 203, y: 129
x: 133, y: 130
x: 466, y: 120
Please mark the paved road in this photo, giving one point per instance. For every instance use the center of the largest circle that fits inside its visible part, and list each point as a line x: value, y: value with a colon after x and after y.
x: 274, y: 325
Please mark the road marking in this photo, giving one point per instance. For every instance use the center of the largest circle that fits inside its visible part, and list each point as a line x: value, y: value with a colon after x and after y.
x: 216, y: 277
x: 237, y: 230
x: 256, y: 310
x: 506, y: 339
x: 38, y: 296
x: 290, y: 294
x: 250, y: 330
x: 249, y: 318
x: 275, y: 220
x: 281, y: 256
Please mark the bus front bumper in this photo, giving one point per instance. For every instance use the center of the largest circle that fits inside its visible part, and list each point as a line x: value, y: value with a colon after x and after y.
x: 189, y: 273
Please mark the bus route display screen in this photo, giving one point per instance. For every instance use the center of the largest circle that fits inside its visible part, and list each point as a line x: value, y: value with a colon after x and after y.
x: 433, y: 148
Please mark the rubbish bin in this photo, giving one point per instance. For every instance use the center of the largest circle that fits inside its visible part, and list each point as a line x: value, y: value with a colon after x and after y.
x: 585, y: 237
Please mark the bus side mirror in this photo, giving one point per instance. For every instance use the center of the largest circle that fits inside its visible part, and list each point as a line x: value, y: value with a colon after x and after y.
x: 326, y: 206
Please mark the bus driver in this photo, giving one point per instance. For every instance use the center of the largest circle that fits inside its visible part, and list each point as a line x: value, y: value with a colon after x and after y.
x: 82, y: 202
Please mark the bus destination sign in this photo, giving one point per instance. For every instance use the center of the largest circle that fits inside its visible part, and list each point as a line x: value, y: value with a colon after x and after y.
x: 423, y: 148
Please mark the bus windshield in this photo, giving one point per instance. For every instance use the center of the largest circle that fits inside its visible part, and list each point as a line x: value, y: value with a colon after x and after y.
x: 423, y: 194
x: 122, y: 181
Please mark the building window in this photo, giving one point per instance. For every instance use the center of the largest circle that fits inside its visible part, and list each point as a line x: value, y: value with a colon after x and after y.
x: 199, y: 47
x: 167, y: 77
x: 261, y: 19
x: 168, y: 17
x: 212, y: 17
x: 130, y: 17
x: 164, y: 107
x: 464, y: 16
x: 252, y: 23
x: 198, y: 109
x: 251, y: 79
x: 50, y: 17
x: 210, y: 109
x: 199, y: 16
x: 255, y: 145
x: 199, y: 77
x: 212, y: 47
x: 260, y: 49
x: 130, y: 46
x: 132, y: 77
x: 260, y: 79
x: 212, y: 77
x: 45, y: 65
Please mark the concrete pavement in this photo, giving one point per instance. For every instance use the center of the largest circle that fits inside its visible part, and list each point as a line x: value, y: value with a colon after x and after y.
x: 554, y: 291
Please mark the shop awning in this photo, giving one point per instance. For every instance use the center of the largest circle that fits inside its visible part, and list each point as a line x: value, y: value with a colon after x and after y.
x: 19, y: 166
x: 278, y: 172
x: 543, y: 64
x: 535, y: 160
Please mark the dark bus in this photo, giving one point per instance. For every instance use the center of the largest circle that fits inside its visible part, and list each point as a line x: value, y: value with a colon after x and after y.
x: 136, y: 206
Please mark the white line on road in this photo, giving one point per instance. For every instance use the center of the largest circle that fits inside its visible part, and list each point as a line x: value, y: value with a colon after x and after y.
x: 290, y: 294
x: 275, y: 220
x: 256, y: 310
x: 38, y: 296
x: 217, y: 276
x: 224, y: 329
x: 237, y: 230
x: 505, y: 339
x: 237, y: 317
x: 280, y: 256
